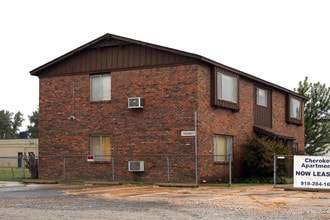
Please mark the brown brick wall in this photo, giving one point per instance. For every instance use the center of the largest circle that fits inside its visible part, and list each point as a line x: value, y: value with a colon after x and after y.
x: 172, y: 95
x: 237, y: 124
x: 279, y: 124
x: 170, y: 101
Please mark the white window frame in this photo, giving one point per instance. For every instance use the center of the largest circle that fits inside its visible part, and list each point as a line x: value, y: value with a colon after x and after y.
x: 295, y: 108
x: 100, y: 87
x: 227, y: 149
x: 227, y: 87
x: 98, y: 151
x: 262, y: 97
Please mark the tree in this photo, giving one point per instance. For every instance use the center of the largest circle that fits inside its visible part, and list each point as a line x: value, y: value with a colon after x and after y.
x: 17, y: 122
x: 31, y: 163
x: 317, y: 117
x: 33, y: 127
x: 9, y: 126
x: 5, y: 127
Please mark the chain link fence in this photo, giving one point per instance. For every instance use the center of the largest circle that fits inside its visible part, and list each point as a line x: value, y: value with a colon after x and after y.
x: 13, y: 168
x: 160, y: 168
x: 283, y: 169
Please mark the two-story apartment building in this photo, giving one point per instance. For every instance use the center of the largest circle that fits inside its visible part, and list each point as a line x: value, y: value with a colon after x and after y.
x: 186, y: 117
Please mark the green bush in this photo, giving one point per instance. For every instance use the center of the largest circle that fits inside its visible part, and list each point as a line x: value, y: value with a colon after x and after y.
x: 259, y: 157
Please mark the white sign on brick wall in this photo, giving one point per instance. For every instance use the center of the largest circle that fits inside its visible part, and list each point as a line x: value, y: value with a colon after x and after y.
x: 188, y: 133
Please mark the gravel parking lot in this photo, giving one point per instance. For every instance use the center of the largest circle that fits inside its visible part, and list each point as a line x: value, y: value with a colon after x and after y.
x: 56, y: 201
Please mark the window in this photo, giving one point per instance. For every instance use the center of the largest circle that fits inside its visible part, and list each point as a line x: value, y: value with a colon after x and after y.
x: 100, y: 147
x: 227, y: 88
x: 294, y: 148
x: 262, y: 97
x: 20, y: 161
x: 100, y: 87
x: 222, y: 147
x: 295, y: 108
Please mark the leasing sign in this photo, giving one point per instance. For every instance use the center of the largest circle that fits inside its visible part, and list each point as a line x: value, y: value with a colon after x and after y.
x: 311, y: 172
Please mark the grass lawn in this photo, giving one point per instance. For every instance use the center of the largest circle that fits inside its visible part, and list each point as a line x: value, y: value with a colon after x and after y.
x: 11, y: 173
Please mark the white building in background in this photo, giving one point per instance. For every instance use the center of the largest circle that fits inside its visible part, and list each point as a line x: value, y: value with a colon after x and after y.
x: 13, y: 150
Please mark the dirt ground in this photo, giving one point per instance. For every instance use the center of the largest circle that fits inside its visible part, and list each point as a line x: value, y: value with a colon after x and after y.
x: 87, y: 201
x: 258, y: 199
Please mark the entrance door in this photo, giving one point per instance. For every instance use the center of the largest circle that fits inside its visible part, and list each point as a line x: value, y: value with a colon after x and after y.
x: 20, y: 159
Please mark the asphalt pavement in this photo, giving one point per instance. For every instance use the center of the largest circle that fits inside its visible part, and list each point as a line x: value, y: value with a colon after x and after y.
x: 62, y: 201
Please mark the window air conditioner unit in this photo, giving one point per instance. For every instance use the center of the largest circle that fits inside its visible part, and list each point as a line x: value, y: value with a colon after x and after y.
x: 135, y: 102
x: 135, y: 166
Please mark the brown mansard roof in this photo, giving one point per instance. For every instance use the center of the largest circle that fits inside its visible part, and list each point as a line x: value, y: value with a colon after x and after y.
x: 37, y: 71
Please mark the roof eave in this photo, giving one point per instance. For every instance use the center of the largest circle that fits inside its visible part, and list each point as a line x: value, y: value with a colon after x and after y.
x: 36, y: 72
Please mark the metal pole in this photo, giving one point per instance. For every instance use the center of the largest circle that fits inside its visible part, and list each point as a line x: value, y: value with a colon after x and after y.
x: 230, y: 169
x: 196, y: 152
x: 113, y: 169
x: 274, y: 170
x: 64, y: 164
x: 23, y: 168
x: 168, y: 169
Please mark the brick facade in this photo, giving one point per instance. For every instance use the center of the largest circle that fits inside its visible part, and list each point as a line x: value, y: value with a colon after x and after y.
x: 172, y: 93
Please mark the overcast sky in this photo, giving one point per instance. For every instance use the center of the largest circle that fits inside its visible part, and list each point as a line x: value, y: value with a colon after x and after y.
x: 278, y: 41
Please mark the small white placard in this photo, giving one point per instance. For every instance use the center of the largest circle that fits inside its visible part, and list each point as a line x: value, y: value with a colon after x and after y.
x: 188, y: 133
